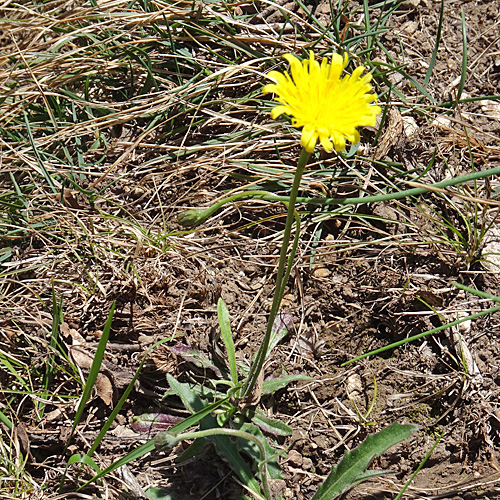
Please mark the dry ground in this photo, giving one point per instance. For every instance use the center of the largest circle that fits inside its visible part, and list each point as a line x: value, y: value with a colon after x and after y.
x: 364, y: 278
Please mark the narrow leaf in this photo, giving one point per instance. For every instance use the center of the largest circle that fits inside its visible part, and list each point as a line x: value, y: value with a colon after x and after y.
x: 463, y: 74
x: 94, y: 370
x: 194, y: 404
x: 227, y: 337
x: 194, y: 449
x: 270, y: 425
x: 272, y: 385
x: 354, y: 464
x: 150, y: 422
x: 225, y: 447
x: 281, y: 326
x: 139, y: 452
x: 272, y: 467
x: 83, y: 459
x: 165, y: 494
x: 194, y: 356
x: 230, y: 452
x: 6, y: 421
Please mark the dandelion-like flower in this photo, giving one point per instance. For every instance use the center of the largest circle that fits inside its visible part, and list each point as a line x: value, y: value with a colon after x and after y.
x: 326, y: 106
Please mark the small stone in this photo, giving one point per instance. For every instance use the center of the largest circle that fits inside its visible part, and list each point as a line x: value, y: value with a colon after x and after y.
x: 491, y: 109
x: 307, y: 463
x: 441, y: 121
x: 490, y: 255
x: 410, y: 27
x: 295, y: 458
x: 410, y: 4
x: 410, y: 126
x: 277, y: 487
x: 321, y: 272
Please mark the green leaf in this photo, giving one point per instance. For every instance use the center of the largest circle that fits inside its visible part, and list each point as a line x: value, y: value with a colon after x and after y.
x: 83, y: 459
x: 273, y: 469
x: 6, y: 421
x: 164, y: 494
x: 270, y: 425
x: 79, y: 458
x: 281, y: 326
x: 351, y: 469
x: 227, y: 337
x: 195, y: 405
x: 224, y: 446
x: 139, y: 452
x: 188, y: 397
x: 369, y: 474
x: 194, y: 449
x: 152, y: 443
x: 230, y: 452
x: 194, y: 356
x: 273, y: 385
x: 94, y: 370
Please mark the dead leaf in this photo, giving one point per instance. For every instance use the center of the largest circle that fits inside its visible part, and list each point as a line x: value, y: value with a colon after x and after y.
x: 104, y: 383
x: 23, y: 438
x: 68, y: 199
x: 392, y: 134
x: 104, y: 387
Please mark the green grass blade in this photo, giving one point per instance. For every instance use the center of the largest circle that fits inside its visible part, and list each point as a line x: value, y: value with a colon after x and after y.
x: 428, y: 332
x: 94, y: 370
x: 432, y: 62
x: 420, y: 465
x: 10, y: 367
x: 271, y: 425
x: 44, y: 171
x: 463, y: 75
x: 227, y: 337
x: 129, y: 457
x: 150, y: 445
x: 6, y: 421
x: 121, y: 402
x: 57, y: 319
x: 83, y: 459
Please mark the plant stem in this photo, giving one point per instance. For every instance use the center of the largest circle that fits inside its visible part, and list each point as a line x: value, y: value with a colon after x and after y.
x: 428, y: 332
x: 167, y: 440
x: 264, y: 195
x: 258, y: 364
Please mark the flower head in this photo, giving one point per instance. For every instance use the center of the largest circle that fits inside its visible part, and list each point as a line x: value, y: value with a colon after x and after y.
x: 326, y: 106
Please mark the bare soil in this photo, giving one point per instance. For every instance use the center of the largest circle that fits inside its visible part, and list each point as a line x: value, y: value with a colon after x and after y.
x: 355, y: 287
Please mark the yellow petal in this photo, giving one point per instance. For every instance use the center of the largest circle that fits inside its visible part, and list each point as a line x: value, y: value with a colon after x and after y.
x: 324, y: 138
x: 270, y: 88
x: 309, y: 138
x: 278, y: 111
x: 327, y: 106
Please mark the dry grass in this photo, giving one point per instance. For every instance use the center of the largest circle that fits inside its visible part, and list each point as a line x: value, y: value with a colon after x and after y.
x: 115, y: 118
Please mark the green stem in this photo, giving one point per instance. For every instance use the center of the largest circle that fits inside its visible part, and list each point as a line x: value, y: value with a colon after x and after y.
x: 424, y: 334
x: 204, y: 214
x: 485, y: 295
x: 292, y: 254
x: 258, y: 364
x: 165, y: 440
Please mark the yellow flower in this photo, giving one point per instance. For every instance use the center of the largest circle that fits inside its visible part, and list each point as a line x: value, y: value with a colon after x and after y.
x: 329, y: 108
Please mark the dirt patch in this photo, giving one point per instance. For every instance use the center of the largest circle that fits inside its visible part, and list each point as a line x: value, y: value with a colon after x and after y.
x: 363, y: 279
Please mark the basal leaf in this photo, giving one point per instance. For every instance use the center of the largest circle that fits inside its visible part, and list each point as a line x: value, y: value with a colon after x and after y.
x: 271, y: 385
x: 227, y: 337
x: 270, y: 425
x: 351, y: 469
x: 249, y: 447
x: 194, y: 356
